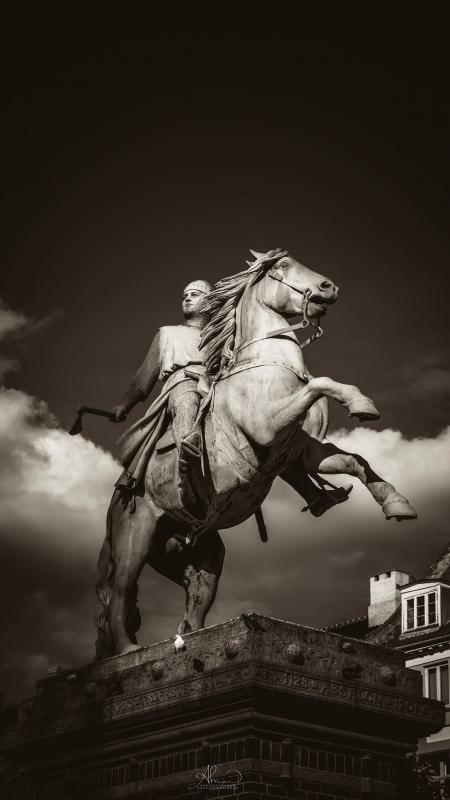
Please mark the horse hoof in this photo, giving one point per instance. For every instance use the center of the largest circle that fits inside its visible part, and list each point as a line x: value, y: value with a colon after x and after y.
x: 397, y: 507
x: 363, y: 409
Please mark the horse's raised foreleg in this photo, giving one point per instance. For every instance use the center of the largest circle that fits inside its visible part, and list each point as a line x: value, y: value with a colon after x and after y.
x: 316, y: 419
x: 394, y: 505
x: 197, y: 569
x: 296, y: 406
x: 277, y: 414
x: 130, y: 537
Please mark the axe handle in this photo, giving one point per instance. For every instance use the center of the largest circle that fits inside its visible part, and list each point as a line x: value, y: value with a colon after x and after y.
x: 100, y: 412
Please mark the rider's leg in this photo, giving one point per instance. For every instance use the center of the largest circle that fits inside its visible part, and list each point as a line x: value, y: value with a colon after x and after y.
x: 183, y: 408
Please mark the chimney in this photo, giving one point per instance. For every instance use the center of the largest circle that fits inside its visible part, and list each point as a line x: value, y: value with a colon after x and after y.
x: 385, y: 595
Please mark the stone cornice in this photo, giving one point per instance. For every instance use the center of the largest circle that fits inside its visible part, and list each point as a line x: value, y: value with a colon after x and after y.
x: 233, y: 662
x: 251, y: 676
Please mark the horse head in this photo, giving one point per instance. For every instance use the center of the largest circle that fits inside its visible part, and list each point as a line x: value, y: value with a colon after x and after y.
x: 280, y: 282
x: 291, y: 288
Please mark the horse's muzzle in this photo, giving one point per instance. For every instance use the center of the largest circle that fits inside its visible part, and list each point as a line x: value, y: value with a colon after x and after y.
x: 326, y: 294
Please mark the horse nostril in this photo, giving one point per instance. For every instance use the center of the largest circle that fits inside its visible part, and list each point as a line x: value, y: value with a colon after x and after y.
x: 326, y: 285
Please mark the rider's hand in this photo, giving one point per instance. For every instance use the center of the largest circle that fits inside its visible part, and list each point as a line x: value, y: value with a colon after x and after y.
x: 120, y: 413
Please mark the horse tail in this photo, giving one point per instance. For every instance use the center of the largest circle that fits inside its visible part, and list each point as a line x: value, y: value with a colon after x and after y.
x: 104, y: 645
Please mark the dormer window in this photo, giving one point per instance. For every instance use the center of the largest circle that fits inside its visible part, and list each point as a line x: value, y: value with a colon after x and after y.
x: 424, y: 604
x: 421, y: 611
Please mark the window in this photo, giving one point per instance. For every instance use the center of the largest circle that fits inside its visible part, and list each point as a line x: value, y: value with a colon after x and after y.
x: 420, y: 611
x: 436, y: 683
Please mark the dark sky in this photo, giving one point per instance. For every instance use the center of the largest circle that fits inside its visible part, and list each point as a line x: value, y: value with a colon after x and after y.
x: 140, y: 158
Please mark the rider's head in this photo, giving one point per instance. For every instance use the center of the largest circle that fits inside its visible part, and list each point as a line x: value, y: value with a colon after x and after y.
x: 193, y: 297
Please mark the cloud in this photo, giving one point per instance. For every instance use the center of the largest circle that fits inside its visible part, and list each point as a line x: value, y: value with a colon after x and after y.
x: 10, y: 321
x: 16, y: 326
x: 54, y: 493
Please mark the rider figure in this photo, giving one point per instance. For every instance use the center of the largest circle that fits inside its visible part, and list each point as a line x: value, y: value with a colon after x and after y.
x: 173, y: 348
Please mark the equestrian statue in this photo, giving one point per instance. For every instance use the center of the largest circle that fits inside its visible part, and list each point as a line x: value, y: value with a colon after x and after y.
x: 238, y: 408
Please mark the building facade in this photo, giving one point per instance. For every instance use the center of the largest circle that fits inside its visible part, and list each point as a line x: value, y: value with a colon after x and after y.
x: 413, y: 617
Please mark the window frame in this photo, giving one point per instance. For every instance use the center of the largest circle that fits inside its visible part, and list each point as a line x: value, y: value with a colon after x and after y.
x: 426, y: 679
x: 414, y: 599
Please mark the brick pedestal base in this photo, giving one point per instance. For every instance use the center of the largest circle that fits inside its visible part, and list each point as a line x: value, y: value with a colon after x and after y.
x: 252, y: 708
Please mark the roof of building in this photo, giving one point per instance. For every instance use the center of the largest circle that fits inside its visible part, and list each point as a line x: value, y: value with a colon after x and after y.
x: 424, y: 580
x: 389, y: 632
x: 346, y: 622
x: 423, y: 640
x: 356, y: 627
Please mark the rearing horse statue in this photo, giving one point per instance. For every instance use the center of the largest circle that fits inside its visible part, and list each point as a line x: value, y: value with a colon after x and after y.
x: 261, y: 394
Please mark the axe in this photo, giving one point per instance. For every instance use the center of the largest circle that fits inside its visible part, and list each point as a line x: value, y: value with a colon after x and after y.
x: 77, y: 426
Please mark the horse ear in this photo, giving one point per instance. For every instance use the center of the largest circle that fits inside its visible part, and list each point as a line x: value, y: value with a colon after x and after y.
x: 256, y: 254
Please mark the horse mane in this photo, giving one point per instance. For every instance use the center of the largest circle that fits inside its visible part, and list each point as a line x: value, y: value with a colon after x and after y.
x: 218, y: 336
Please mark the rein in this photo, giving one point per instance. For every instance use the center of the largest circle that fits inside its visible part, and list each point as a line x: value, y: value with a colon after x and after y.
x: 305, y: 322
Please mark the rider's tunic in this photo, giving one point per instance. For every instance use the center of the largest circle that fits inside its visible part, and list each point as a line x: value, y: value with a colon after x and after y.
x: 173, y: 348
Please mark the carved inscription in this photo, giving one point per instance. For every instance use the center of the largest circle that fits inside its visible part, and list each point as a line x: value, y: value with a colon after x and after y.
x: 205, y: 684
x: 115, y: 708
x: 359, y: 695
x: 178, y: 691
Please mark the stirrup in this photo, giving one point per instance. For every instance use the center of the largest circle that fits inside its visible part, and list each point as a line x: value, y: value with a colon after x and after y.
x: 191, y: 445
x: 327, y: 500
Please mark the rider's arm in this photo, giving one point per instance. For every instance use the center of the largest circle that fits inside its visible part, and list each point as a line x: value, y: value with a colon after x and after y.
x: 142, y: 383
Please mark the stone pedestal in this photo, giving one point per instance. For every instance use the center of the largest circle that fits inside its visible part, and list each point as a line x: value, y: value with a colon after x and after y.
x: 252, y: 708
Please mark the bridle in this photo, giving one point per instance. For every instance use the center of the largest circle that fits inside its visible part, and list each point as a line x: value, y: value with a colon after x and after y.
x: 305, y: 322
